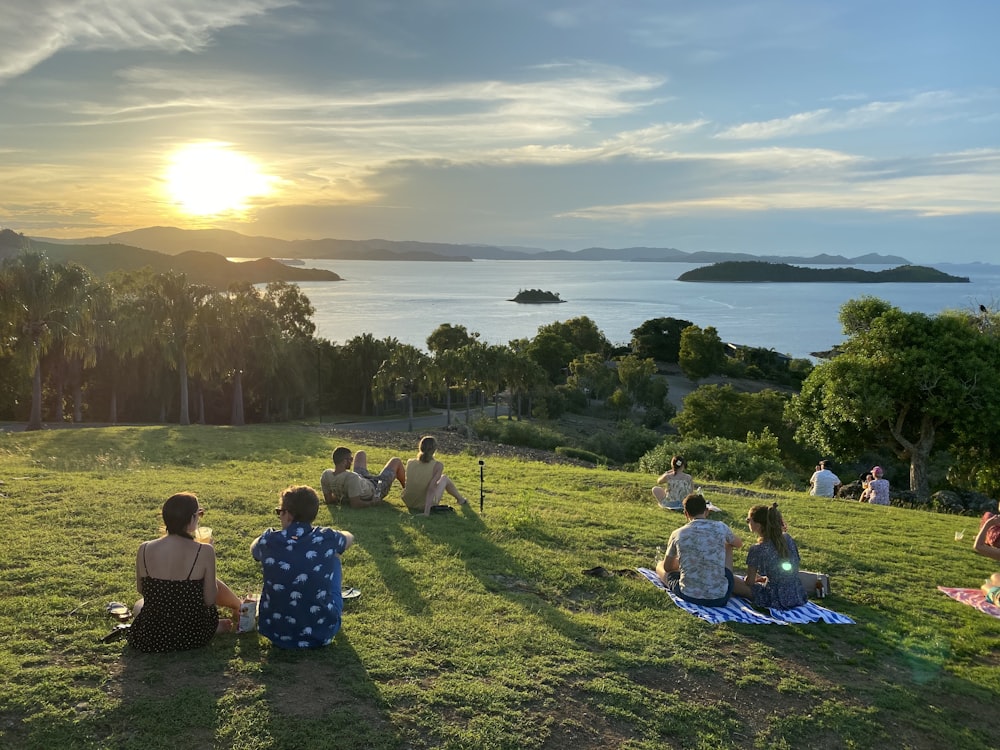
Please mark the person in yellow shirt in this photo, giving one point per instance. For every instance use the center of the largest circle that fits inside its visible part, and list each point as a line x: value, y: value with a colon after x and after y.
x: 426, y: 481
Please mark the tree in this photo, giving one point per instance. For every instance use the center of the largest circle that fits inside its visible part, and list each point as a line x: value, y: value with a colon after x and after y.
x: 173, y: 303
x: 363, y: 355
x: 447, y: 337
x: 901, y: 381
x: 40, y: 303
x: 406, y: 368
x: 659, y: 339
x: 591, y: 374
x: 635, y: 374
x: 582, y: 334
x: 701, y: 352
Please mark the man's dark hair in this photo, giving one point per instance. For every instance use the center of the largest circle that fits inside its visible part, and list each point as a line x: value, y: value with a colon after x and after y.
x: 824, y: 464
x: 340, y: 454
x: 694, y: 504
x: 301, y: 502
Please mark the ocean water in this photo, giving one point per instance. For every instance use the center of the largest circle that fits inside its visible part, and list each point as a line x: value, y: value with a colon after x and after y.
x: 408, y: 300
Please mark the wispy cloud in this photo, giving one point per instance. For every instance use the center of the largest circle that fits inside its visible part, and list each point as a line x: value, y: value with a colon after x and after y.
x: 961, y: 183
x: 829, y: 120
x: 38, y: 29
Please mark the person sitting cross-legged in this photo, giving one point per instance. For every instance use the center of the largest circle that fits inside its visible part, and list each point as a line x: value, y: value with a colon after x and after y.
x: 698, y: 563
x: 301, y: 601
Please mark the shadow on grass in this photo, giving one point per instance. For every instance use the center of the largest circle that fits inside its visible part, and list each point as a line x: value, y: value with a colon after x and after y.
x: 239, y: 691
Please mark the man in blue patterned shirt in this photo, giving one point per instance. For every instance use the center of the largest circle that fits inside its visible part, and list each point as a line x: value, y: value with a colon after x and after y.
x: 301, y: 604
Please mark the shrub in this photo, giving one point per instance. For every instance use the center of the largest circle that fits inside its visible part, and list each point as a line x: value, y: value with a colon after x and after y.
x: 720, y: 459
x: 581, y: 454
x: 524, y: 434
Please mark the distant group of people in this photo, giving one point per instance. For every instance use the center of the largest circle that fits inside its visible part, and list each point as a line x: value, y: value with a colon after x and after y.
x: 874, y: 486
x: 301, y: 601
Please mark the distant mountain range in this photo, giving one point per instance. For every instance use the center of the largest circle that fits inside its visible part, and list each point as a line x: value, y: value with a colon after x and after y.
x: 173, y: 241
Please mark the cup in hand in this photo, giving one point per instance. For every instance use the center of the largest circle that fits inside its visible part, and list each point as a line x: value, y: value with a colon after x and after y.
x: 203, y: 534
x: 959, y: 535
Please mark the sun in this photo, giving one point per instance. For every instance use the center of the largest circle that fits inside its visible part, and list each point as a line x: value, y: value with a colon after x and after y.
x: 210, y: 178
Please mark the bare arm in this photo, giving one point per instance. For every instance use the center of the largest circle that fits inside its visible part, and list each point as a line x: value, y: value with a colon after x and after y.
x: 140, y: 569
x: 432, y: 488
x: 980, y: 545
x: 349, y: 537
x: 211, y: 585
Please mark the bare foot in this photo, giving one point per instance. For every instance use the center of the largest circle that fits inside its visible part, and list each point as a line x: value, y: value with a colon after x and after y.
x: 463, y: 501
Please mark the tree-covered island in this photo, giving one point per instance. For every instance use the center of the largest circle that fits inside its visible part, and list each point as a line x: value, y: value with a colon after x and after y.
x: 536, y: 297
x: 758, y: 271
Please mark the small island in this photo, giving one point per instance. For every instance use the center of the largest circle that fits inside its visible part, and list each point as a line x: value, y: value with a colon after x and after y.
x: 536, y: 297
x: 758, y: 271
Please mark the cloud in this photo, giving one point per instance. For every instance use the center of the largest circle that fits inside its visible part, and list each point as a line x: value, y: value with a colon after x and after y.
x: 830, y: 120
x: 38, y: 29
x: 952, y: 184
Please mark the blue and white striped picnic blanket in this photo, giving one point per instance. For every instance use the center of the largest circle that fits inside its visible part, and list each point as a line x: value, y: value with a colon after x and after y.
x: 739, y: 610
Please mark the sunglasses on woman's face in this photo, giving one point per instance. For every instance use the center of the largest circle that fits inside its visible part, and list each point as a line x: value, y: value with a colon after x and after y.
x: 279, y: 511
x: 200, y: 512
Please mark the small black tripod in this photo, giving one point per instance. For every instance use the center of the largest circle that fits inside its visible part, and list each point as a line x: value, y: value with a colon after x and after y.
x: 482, y: 493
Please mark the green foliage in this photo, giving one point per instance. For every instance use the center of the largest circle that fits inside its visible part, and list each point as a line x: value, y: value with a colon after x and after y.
x: 581, y: 454
x: 701, y: 352
x: 719, y: 459
x: 659, y: 339
x: 626, y: 444
x: 510, y: 432
x: 901, y: 381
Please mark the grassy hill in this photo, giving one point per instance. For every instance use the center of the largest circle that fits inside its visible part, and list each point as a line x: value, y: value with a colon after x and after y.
x: 477, y: 630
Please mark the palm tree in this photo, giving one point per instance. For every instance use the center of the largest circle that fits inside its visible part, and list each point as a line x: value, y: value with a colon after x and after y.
x: 407, y: 368
x: 173, y: 303
x: 40, y: 303
x: 365, y: 355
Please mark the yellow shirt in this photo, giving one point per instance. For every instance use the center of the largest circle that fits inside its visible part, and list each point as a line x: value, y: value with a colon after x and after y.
x: 418, y: 478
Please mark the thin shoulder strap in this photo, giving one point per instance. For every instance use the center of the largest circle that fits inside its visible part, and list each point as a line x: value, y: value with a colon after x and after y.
x: 195, y: 561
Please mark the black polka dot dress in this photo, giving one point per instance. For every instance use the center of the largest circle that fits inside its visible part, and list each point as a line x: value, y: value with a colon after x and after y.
x: 173, y: 617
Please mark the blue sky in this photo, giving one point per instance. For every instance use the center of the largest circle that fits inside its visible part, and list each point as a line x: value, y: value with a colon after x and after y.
x: 785, y: 126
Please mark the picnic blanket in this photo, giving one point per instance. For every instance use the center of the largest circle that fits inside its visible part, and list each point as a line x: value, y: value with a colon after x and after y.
x: 972, y: 597
x: 740, y: 610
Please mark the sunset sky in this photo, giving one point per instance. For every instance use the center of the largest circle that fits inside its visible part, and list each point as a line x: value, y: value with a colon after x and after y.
x: 785, y: 126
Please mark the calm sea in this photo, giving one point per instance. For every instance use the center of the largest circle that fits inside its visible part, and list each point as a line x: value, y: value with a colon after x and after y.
x: 408, y: 300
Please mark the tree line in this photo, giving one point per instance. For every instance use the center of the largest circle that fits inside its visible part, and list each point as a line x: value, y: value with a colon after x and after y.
x: 152, y: 347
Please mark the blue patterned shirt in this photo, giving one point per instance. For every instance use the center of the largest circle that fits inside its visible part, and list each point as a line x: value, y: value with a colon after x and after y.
x: 301, y: 604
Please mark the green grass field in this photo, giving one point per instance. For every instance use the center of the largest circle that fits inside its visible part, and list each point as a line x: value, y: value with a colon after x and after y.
x: 473, y: 631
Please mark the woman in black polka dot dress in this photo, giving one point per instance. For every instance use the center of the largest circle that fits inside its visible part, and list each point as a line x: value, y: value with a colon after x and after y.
x: 176, y: 577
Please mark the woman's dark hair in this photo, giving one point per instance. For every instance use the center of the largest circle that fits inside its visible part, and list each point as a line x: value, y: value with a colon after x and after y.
x: 178, y: 511
x: 677, y: 461
x: 426, y: 449
x: 772, y: 526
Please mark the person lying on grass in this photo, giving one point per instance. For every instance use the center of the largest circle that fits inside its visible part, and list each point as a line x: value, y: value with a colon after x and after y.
x: 426, y: 481
x: 987, y: 541
x: 301, y: 602
x: 772, y: 578
x: 175, y: 576
x: 698, y: 563
x: 359, y: 488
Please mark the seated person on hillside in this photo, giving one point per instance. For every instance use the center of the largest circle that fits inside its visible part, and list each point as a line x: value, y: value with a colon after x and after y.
x: 987, y: 541
x: 823, y: 482
x: 698, y: 563
x: 877, y: 492
x: 991, y: 589
x: 301, y: 602
x: 359, y: 488
x: 772, y: 564
x: 175, y: 576
x: 426, y: 481
x: 679, y: 485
